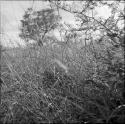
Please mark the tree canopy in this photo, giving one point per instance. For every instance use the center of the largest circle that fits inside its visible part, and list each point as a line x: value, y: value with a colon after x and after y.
x: 36, y: 24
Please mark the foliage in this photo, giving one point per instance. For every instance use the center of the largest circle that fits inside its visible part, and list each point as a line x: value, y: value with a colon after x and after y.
x: 36, y: 24
x: 36, y: 90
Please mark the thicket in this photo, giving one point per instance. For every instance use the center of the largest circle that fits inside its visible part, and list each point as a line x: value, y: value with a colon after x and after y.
x: 37, y: 90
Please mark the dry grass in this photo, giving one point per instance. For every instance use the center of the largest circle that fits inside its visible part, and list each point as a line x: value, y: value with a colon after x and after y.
x: 37, y: 90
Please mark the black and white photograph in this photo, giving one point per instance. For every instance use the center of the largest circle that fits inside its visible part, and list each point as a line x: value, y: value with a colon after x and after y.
x: 62, y: 61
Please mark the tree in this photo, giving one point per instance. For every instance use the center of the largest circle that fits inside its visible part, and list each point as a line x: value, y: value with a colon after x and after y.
x: 36, y: 24
x: 88, y: 23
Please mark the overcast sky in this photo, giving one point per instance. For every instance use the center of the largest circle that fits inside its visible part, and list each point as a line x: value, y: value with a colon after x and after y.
x: 12, y: 12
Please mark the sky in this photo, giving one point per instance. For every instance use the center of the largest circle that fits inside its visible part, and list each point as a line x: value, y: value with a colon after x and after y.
x: 12, y: 12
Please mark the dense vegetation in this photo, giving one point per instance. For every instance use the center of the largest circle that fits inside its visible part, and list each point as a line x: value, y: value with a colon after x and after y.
x: 36, y: 89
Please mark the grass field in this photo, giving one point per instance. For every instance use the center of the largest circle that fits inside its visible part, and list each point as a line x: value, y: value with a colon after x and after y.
x: 37, y: 90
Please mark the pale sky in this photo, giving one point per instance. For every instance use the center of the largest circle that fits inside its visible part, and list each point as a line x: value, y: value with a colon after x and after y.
x: 12, y: 12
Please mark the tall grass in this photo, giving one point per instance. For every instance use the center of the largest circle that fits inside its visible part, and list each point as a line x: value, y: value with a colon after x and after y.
x: 37, y: 90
